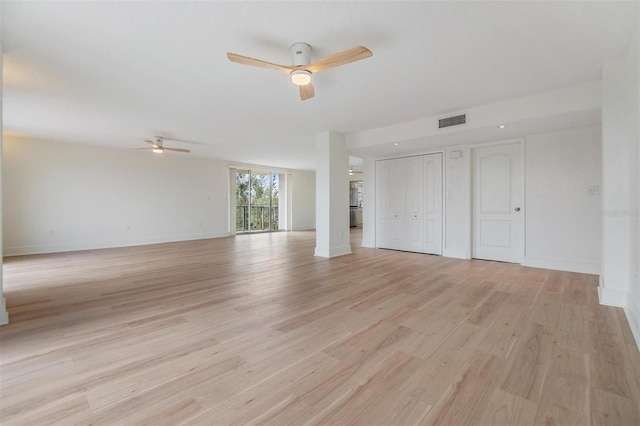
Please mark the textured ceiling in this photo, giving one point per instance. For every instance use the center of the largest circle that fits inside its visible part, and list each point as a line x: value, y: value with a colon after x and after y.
x: 115, y: 73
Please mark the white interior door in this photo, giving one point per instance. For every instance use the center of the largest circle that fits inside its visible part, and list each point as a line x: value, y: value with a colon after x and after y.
x: 498, y: 203
x: 433, y: 203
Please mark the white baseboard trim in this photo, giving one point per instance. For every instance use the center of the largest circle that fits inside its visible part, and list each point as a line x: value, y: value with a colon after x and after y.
x: 622, y: 299
x: 568, y: 265
x: 4, y: 315
x: 456, y: 254
x: 610, y: 297
x: 368, y: 243
x: 332, y: 251
x: 92, y: 245
x: 632, y: 313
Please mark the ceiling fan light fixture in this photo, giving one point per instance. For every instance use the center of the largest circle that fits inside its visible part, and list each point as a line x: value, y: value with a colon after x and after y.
x: 158, y: 150
x: 300, y: 77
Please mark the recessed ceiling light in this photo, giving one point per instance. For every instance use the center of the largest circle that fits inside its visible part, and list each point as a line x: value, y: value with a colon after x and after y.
x: 396, y: 144
x: 502, y: 126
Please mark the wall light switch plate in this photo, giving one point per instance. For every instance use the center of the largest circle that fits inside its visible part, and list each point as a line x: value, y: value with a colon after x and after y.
x: 593, y: 190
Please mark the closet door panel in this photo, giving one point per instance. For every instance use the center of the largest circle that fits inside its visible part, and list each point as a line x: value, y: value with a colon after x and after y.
x: 398, y: 203
x: 409, y: 203
x: 414, y: 185
x: 433, y: 203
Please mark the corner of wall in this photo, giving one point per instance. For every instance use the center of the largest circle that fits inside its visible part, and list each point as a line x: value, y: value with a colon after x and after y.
x: 620, y: 285
x: 329, y: 252
x: 368, y: 243
x: 610, y: 296
x: 632, y: 312
x: 4, y: 316
x: 559, y: 264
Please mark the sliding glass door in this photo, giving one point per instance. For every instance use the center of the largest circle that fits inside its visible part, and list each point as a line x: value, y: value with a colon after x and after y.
x: 257, y: 196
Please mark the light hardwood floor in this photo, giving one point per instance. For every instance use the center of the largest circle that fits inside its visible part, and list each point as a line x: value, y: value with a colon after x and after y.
x: 256, y: 330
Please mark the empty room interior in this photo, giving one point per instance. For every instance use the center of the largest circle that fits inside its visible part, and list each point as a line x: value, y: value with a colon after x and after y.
x: 346, y: 213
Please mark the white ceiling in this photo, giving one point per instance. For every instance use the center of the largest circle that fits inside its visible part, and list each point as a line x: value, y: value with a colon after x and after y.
x: 115, y: 73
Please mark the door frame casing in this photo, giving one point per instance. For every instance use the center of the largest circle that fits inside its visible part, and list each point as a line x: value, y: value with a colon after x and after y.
x: 522, y: 217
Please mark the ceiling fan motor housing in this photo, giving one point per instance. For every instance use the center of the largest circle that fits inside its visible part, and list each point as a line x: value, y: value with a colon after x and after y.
x: 300, y: 54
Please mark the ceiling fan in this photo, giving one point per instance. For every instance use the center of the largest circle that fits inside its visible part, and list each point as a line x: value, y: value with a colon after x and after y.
x: 301, y: 69
x: 157, y: 145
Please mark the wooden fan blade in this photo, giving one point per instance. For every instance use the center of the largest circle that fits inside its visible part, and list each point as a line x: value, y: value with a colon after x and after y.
x: 341, y: 58
x: 152, y: 143
x: 176, y: 149
x: 245, y: 60
x: 307, y: 91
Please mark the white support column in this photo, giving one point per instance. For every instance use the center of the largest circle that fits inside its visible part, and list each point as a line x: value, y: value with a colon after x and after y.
x: 284, y: 195
x: 4, y: 315
x: 332, y: 195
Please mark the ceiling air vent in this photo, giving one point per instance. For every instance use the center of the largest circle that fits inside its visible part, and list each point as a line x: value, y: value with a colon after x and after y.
x: 456, y: 120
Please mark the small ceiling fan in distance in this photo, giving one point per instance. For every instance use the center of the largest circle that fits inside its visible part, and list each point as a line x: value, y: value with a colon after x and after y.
x: 157, y: 145
x: 301, y: 67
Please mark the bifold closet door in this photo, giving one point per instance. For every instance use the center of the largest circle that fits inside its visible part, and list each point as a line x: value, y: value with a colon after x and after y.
x: 415, y: 220
x: 398, y: 201
x: 433, y: 203
x: 409, y: 203
x: 391, y: 204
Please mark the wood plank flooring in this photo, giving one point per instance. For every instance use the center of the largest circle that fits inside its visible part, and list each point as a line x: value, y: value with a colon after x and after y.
x: 256, y: 330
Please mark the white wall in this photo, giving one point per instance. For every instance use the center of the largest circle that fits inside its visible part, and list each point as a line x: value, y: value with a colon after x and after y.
x: 524, y: 115
x: 4, y: 316
x: 303, y: 189
x: 563, y: 222
x: 457, y: 202
x: 632, y: 307
x: 60, y: 197
x: 620, y: 283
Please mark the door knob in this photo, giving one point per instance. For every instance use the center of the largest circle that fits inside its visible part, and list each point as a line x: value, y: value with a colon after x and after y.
x: 517, y: 209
